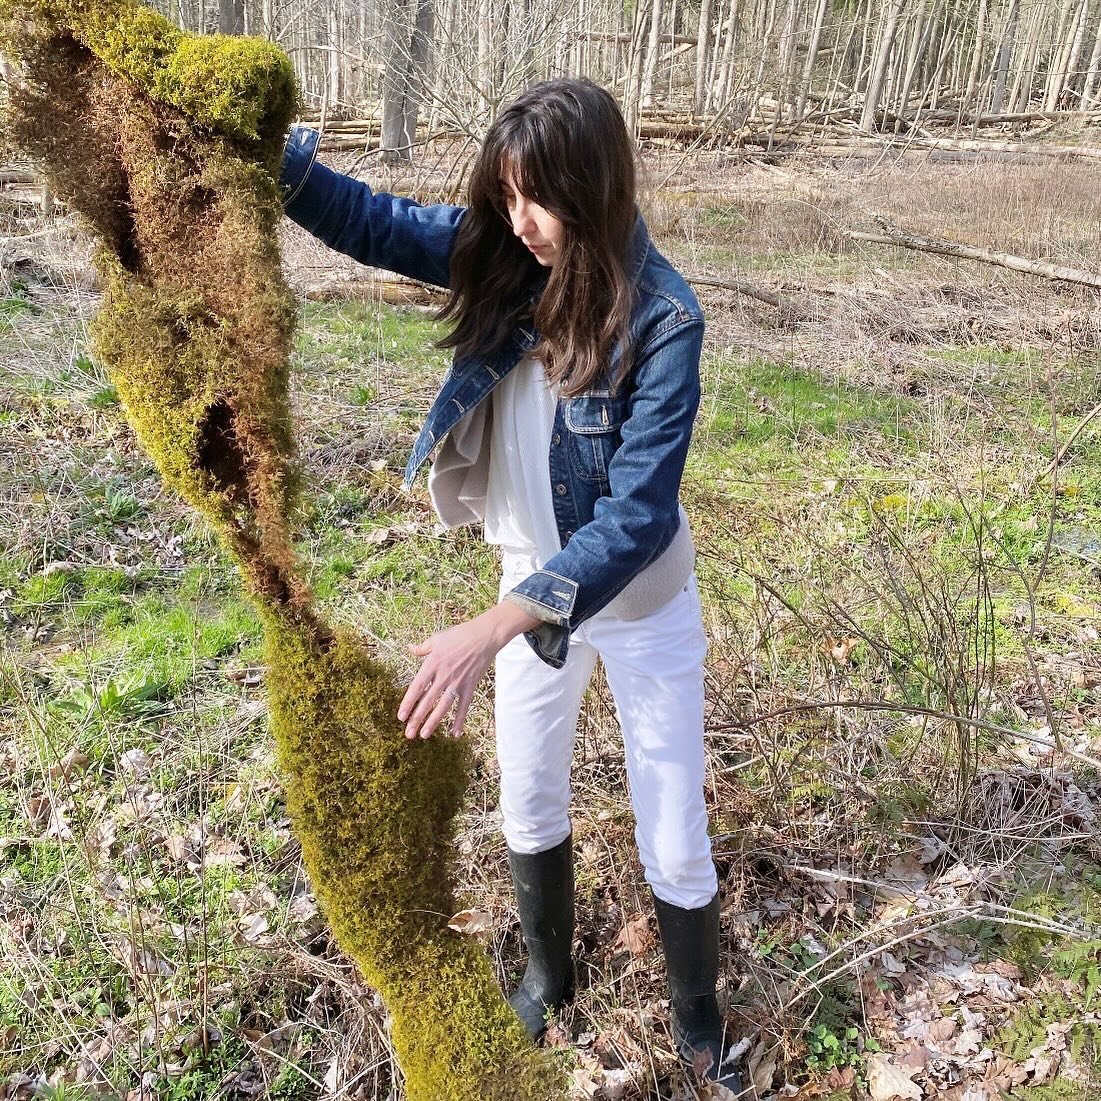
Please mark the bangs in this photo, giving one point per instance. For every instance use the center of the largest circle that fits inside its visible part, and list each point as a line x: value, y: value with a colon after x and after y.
x: 521, y: 155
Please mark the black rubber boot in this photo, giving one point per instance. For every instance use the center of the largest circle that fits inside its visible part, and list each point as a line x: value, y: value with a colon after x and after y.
x: 690, y: 939
x: 544, y: 896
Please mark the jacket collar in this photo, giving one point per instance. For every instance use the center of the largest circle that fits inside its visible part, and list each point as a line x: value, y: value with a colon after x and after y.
x: 640, y: 247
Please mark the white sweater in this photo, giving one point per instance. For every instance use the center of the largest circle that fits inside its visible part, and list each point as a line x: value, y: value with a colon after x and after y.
x: 492, y: 467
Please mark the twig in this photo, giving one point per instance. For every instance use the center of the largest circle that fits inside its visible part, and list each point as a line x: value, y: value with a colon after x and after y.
x: 1061, y: 453
x: 816, y: 984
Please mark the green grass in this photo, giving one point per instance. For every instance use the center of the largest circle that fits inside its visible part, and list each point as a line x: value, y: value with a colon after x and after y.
x: 747, y: 404
x: 15, y: 303
x: 802, y: 488
x: 360, y: 340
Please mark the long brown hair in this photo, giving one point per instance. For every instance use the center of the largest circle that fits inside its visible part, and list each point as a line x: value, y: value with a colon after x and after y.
x: 567, y: 148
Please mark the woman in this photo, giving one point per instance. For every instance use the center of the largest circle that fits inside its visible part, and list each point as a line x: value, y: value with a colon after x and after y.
x: 563, y: 426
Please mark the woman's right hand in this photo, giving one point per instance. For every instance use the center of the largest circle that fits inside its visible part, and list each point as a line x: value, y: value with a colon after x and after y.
x: 455, y: 662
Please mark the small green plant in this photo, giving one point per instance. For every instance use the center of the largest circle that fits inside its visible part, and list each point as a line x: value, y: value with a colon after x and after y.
x: 827, y: 1050
x: 129, y: 695
x: 290, y: 1085
x: 120, y: 505
x: 104, y: 397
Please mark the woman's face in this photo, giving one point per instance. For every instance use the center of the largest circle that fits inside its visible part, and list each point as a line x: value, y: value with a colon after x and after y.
x: 540, y: 230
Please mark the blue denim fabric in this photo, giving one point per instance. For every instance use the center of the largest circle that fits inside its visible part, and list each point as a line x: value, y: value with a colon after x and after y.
x: 616, y: 457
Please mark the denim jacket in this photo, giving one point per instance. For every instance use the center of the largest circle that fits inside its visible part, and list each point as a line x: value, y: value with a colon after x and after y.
x: 616, y: 456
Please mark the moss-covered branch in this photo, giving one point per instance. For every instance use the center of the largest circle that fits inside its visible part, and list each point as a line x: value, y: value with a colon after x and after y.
x: 167, y: 144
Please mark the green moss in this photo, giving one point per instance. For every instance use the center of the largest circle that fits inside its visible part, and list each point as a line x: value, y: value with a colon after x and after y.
x: 241, y: 87
x: 333, y: 714
x: 167, y: 143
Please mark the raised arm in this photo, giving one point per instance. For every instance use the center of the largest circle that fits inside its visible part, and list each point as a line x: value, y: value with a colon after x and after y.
x: 375, y: 228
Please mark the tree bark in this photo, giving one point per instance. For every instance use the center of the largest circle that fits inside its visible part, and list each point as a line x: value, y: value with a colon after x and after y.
x: 406, y: 78
x: 1054, y: 82
x: 812, y: 56
x: 231, y: 16
x: 1005, y: 57
x: 1071, y: 82
x: 703, y: 38
x: 1093, y: 74
x: 977, y: 54
x: 650, y: 69
x: 875, y: 85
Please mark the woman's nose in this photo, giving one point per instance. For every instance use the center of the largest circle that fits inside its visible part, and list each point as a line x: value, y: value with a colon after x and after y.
x: 521, y: 218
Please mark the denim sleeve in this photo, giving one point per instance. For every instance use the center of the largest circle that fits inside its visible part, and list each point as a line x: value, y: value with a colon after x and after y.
x: 638, y: 520
x: 375, y: 228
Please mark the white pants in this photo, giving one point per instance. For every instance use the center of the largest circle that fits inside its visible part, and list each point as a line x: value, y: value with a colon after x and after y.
x: 654, y: 667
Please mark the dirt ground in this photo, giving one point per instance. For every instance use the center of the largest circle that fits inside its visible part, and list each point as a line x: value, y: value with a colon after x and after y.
x: 904, y: 684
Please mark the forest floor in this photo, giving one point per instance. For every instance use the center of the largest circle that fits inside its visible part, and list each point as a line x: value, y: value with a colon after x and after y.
x: 904, y: 681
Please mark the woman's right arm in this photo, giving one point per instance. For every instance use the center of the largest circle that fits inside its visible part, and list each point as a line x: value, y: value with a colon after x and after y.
x: 378, y: 229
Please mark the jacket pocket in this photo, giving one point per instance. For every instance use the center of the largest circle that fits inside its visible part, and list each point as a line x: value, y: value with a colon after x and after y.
x: 593, y: 420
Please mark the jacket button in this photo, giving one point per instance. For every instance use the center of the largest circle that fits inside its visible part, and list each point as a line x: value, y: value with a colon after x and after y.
x: 569, y: 534
x: 560, y: 489
x: 557, y: 439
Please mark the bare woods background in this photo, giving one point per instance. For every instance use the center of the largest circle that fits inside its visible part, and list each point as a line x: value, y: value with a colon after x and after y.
x: 877, y: 64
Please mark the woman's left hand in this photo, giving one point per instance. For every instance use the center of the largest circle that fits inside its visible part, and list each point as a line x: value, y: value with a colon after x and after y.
x: 455, y: 661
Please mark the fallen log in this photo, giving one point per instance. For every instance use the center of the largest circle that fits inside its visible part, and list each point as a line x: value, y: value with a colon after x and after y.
x: 19, y: 176
x: 893, y: 235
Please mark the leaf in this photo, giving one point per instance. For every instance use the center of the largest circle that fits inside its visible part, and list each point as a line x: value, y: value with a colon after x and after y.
x: 302, y: 908
x: 178, y: 846
x: 712, y: 1091
x: 43, y: 811
x: 887, y: 1081
x: 74, y: 761
x: 253, y: 926
x: 135, y: 762
x: 332, y: 1076
x: 762, y: 1066
x: 583, y: 1080
x: 223, y: 850
x: 839, y: 649
x: 471, y: 921
x: 556, y: 1036
x: 702, y: 1062
x: 635, y: 936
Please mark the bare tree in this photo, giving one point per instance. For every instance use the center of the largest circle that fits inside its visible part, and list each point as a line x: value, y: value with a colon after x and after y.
x: 231, y: 16
x: 879, y: 67
x: 408, y: 46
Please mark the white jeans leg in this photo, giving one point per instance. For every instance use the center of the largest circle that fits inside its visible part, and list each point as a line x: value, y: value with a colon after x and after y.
x: 535, y: 712
x: 655, y: 671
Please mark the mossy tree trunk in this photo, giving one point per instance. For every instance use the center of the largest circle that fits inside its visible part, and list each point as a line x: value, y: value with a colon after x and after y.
x: 168, y: 145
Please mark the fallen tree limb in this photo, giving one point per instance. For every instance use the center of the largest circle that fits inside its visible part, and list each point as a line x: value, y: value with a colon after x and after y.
x: 893, y: 235
x: 19, y: 176
x: 768, y: 297
x: 22, y: 238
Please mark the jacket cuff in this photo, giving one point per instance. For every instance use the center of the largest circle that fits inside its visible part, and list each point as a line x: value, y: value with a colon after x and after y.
x: 550, y: 595
x: 551, y: 639
x: 299, y: 156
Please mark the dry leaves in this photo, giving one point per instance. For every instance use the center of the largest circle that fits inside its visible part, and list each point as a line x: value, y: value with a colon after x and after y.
x: 471, y: 922
x: 635, y: 937
x: 73, y: 763
x: 839, y: 649
x: 886, y: 1081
